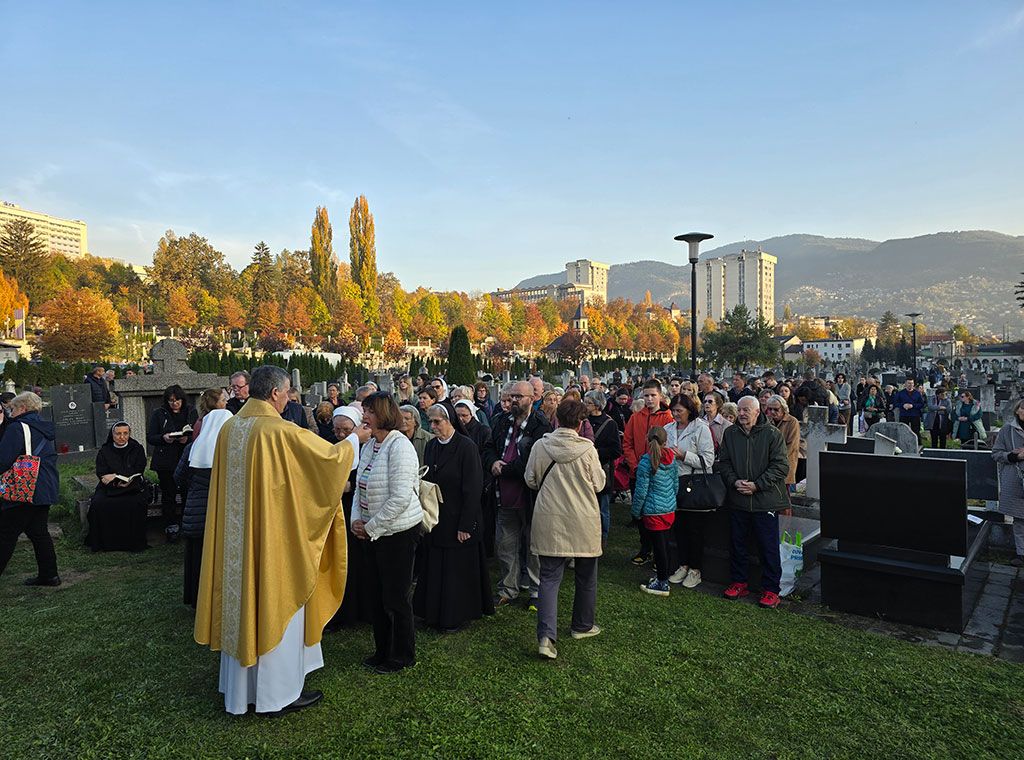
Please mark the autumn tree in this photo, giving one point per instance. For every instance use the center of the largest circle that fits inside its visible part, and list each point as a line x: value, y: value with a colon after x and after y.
x: 323, y: 265
x: 295, y: 318
x: 230, y: 314
x: 179, y: 310
x: 574, y: 346
x: 11, y: 298
x: 24, y: 256
x: 362, y: 252
x: 80, y: 324
x: 394, y: 347
x: 190, y: 263
x: 810, y: 358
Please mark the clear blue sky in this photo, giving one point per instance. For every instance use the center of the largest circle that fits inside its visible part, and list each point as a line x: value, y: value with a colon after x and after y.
x: 497, y: 143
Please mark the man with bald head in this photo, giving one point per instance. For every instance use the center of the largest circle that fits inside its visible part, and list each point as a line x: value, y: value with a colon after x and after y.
x: 514, y: 434
x: 754, y: 463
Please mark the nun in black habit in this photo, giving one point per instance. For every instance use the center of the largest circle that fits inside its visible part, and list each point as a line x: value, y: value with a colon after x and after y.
x: 453, y: 587
x: 117, y: 512
x: 481, y: 436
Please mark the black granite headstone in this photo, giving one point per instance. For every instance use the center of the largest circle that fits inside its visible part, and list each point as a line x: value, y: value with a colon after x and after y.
x: 103, y: 420
x: 73, y: 417
x: 982, y: 473
x: 854, y: 445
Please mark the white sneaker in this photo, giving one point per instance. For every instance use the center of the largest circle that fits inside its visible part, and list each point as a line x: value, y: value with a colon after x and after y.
x: 547, y: 649
x: 692, y: 579
x: 678, y: 575
x: 587, y: 634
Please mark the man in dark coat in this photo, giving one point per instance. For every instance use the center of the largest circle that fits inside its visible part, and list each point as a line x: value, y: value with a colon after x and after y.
x: 514, y: 435
x: 754, y: 464
x: 98, y: 386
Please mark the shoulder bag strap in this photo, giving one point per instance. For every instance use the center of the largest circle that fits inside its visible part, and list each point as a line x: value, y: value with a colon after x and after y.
x: 545, y: 475
x: 597, y: 433
x: 28, y: 439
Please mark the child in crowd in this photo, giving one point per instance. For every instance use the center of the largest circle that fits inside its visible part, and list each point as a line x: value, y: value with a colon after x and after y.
x: 654, y: 504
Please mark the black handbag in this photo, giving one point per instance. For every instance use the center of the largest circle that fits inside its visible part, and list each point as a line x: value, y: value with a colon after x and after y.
x: 703, y: 492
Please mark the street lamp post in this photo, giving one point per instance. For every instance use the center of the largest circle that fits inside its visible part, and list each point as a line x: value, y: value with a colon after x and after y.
x: 913, y: 339
x: 693, y: 240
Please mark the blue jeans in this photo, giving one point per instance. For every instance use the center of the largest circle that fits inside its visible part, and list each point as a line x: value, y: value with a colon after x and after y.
x: 604, y: 501
x: 766, y: 534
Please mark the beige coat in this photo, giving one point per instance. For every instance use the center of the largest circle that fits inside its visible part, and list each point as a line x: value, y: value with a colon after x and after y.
x: 566, y: 516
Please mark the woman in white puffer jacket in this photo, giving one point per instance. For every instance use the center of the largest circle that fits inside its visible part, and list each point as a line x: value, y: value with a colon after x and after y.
x: 386, y: 518
x: 690, y: 438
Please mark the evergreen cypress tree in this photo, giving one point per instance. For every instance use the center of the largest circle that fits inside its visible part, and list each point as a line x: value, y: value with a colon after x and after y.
x: 461, y: 367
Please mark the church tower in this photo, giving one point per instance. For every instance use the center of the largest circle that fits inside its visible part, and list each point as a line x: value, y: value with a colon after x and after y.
x: 580, y: 322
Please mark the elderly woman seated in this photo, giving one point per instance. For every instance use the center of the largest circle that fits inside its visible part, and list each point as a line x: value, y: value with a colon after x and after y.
x: 117, y: 512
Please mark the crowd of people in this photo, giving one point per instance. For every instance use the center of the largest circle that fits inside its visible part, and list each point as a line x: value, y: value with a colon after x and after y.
x: 527, y: 479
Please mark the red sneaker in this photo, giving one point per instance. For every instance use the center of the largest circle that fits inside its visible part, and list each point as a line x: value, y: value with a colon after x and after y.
x: 735, y: 591
x: 770, y: 600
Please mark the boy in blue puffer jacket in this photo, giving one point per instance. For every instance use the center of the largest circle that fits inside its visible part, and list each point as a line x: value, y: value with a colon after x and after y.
x: 654, y: 504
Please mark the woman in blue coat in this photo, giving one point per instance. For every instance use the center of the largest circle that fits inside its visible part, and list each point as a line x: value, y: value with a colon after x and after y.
x: 30, y: 431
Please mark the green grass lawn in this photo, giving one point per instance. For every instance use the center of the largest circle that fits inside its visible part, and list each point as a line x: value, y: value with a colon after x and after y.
x: 106, y: 667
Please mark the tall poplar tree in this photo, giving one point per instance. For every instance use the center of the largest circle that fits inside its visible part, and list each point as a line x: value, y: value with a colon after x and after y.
x: 362, y: 251
x: 323, y: 266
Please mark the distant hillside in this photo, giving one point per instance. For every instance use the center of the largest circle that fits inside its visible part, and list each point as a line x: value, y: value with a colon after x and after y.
x: 948, y: 276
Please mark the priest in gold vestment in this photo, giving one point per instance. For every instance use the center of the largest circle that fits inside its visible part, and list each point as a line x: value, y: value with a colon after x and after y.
x: 274, y: 557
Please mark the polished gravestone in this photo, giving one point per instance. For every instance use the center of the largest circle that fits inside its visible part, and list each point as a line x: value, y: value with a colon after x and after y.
x: 899, y: 542
x: 982, y: 473
x: 718, y: 541
x: 104, y: 419
x: 71, y: 410
x: 854, y: 446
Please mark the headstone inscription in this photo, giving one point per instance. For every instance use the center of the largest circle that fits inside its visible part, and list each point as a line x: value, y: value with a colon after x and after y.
x: 899, y: 432
x: 818, y: 434
x: 73, y: 417
x: 103, y: 420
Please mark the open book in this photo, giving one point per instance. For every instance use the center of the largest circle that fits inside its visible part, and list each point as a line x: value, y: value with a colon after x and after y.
x: 127, y: 478
x: 184, y: 431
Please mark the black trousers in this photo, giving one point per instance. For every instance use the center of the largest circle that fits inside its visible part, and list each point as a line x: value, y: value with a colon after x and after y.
x: 766, y: 534
x: 389, y: 564
x: 168, y: 498
x: 689, y: 533
x: 658, y: 541
x: 645, y: 541
x: 31, y: 520
x: 939, y: 436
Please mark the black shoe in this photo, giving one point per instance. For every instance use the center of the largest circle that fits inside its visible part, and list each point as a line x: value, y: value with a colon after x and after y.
x: 373, y: 661
x: 306, y: 699
x: 37, y: 581
x: 390, y: 666
x: 455, y: 629
x: 641, y: 559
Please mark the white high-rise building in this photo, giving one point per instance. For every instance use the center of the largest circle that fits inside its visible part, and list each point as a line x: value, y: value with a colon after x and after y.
x: 747, y: 278
x: 65, y: 236
x: 589, y: 276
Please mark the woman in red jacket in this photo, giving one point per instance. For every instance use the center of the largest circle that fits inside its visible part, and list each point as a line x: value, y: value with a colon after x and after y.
x: 655, y: 413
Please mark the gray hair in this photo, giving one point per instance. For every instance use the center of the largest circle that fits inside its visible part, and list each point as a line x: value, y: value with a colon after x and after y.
x: 240, y: 373
x: 411, y: 410
x: 365, y: 390
x: 597, y: 398
x: 775, y: 398
x: 265, y: 379
x: 26, y: 401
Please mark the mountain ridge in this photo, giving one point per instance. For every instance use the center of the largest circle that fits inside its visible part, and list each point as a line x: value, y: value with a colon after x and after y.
x: 858, y: 277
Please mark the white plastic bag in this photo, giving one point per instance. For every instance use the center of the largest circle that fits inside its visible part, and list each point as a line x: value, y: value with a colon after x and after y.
x: 791, y: 553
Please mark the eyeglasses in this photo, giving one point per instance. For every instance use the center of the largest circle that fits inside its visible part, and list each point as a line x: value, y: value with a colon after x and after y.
x: 239, y: 387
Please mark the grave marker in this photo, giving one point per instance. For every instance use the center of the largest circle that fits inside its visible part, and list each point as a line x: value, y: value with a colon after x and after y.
x: 818, y: 434
x: 899, y: 432
x: 71, y: 406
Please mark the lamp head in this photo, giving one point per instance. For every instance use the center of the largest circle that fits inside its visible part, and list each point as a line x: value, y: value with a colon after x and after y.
x: 694, y: 239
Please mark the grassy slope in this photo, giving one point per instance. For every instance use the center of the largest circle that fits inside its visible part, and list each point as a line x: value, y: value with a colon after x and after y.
x: 107, y: 668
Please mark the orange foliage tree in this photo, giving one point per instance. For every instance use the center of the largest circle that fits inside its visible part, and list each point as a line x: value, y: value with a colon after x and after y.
x: 80, y: 324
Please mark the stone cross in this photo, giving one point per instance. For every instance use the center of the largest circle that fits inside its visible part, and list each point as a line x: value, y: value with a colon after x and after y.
x: 818, y: 434
x: 169, y: 357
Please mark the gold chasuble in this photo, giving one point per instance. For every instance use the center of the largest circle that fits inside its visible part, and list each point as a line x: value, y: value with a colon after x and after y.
x: 275, y: 534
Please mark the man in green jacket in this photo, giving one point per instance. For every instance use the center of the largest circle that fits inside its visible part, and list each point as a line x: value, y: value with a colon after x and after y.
x: 754, y: 463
